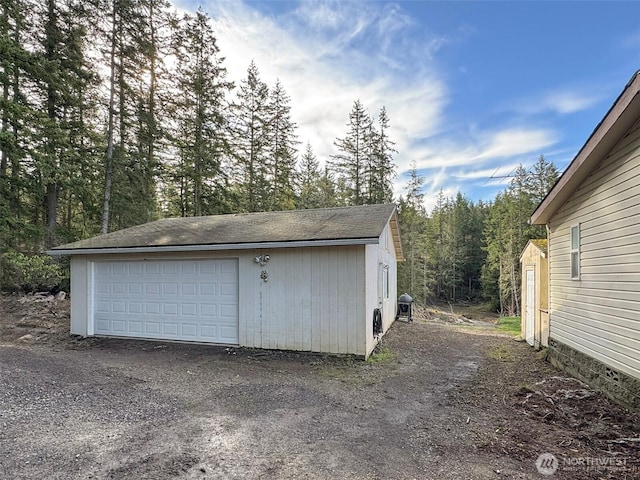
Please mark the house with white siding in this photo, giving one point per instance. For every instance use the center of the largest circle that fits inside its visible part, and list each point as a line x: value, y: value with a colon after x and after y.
x: 592, y: 216
x: 318, y: 280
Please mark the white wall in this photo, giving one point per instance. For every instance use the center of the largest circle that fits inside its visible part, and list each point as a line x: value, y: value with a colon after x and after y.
x: 599, y: 314
x: 80, y: 307
x: 376, y: 255
x: 314, y: 299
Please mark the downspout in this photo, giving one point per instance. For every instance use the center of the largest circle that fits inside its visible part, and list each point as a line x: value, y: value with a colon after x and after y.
x: 548, y: 229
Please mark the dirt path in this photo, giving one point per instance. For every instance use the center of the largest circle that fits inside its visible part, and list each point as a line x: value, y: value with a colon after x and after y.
x: 450, y: 403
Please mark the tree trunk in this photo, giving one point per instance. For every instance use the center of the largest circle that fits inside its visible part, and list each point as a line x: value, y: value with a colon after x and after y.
x: 108, y: 173
x: 151, y: 167
x: 52, y: 190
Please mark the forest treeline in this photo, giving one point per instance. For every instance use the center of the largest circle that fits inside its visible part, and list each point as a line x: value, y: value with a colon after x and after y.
x: 119, y: 112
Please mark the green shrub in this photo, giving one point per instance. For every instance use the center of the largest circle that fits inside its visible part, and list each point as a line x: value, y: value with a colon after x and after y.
x: 30, y: 272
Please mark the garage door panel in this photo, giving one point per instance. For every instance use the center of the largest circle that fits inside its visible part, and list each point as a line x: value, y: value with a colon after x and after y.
x: 194, y: 300
x: 136, y: 327
x: 152, y: 268
x: 119, y: 307
x: 189, y: 268
x: 170, y: 309
x: 119, y: 326
x: 152, y: 328
x: 152, y: 309
x: 209, y: 331
x: 227, y: 266
x: 119, y: 269
x: 228, y: 311
x: 189, y: 310
x: 135, y: 268
x: 227, y: 332
x: 189, y: 330
x: 135, y: 308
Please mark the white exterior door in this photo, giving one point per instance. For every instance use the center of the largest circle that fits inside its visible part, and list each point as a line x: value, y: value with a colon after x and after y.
x: 530, y: 307
x: 190, y: 300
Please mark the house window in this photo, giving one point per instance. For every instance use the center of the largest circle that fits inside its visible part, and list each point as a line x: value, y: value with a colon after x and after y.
x: 386, y: 283
x: 575, y: 252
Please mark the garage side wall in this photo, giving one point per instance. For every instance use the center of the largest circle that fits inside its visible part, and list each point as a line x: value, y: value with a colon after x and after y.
x: 382, y: 285
x: 80, y: 296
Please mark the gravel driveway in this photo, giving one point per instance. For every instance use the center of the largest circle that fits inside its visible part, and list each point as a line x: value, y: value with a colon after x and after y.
x: 105, y: 408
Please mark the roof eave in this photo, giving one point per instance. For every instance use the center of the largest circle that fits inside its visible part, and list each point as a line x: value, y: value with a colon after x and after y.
x: 621, y: 116
x: 213, y: 247
x: 395, y: 233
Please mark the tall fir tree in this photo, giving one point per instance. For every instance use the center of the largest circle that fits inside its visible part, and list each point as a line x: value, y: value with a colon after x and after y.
x: 413, y: 275
x: 351, y: 161
x: 250, y: 142
x: 309, y: 178
x: 200, y: 110
x: 382, y: 168
x: 283, y: 146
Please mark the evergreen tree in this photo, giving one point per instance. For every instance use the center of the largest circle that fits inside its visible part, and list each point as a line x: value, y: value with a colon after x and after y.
x: 283, y: 142
x: 17, y: 67
x: 507, y: 231
x: 250, y: 142
x: 200, y: 138
x: 413, y: 274
x: 382, y: 168
x: 309, y: 180
x: 351, y: 160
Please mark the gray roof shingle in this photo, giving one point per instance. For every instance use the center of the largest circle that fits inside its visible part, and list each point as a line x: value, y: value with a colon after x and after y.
x: 342, y: 223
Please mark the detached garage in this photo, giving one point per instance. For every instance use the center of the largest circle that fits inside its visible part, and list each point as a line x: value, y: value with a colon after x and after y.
x: 308, y: 280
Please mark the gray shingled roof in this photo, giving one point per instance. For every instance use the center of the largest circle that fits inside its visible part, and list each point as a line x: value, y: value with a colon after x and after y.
x: 344, y: 223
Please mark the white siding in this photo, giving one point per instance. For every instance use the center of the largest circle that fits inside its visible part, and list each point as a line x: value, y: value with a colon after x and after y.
x: 80, y: 299
x: 384, y: 253
x: 599, y: 314
x: 314, y: 299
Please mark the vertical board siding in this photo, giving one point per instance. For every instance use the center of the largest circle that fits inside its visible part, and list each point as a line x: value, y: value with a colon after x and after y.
x: 384, y: 252
x: 532, y: 259
x: 80, y: 298
x: 314, y: 300
x: 599, y: 314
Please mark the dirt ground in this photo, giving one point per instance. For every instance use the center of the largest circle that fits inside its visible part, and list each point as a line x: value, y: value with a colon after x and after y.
x: 441, y: 401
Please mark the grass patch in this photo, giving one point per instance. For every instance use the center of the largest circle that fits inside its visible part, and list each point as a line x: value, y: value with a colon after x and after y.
x: 477, y: 311
x: 509, y: 325
x: 384, y: 355
x: 502, y: 353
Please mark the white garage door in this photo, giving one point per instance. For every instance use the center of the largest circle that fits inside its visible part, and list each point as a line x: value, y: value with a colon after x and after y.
x: 192, y: 300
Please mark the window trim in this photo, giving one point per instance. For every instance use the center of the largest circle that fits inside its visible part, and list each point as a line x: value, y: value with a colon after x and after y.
x: 385, y: 282
x: 574, y: 251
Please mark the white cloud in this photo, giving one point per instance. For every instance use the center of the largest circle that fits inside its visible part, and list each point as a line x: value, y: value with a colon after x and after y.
x: 482, y: 148
x: 562, y: 102
x: 328, y: 54
x: 516, y: 141
x: 569, y: 102
x: 325, y: 55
